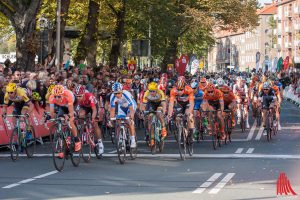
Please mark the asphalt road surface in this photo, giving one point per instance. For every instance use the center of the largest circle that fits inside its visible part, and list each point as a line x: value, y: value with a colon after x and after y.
x: 246, y: 169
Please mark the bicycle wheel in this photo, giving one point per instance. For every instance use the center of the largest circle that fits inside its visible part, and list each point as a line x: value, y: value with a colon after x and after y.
x: 75, y: 155
x: 30, y: 143
x: 181, y: 143
x: 213, y: 134
x: 161, y: 144
x: 58, y: 148
x: 14, y: 144
x: 190, y: 143
x: 226, y: 130
x: 268, y: 127
x: 86, y: 146
x: 121, y: 146
x: 152, y: 137
x: 133, y: 151
x: 242, y: 122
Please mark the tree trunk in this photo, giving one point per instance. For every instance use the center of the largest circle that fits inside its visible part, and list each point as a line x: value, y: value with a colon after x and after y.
x: 87, y: 47
x: 118, y: 36
x: 22, y: 15
x: 170, y: 54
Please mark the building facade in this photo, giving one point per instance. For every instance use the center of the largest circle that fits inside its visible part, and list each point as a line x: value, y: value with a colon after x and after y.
x: 288, y: 30
x: 238, y: 49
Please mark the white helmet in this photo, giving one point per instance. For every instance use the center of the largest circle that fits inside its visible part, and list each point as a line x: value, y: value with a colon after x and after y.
x: 220, y: 82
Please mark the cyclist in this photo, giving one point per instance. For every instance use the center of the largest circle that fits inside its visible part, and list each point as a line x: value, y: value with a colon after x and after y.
x: 229, y: 101
x: 203, y: 83
x: 154, y: 99
x: 184, y: 95
x: 268, y: 99
x: 240, y: 90
x: 213, y: 100
x: 136, y: 87
x: 88, y: 103
x: 17, y: 96
x: 64, y: 100
x: 126, y: 106
x: 198, y: 96
x: 278, y: 102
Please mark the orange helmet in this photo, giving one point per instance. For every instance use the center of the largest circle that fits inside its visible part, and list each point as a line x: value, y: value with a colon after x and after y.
x: 225, y: 89
x: 181, y: 83
x: 203, y: 80
x: 255, y: 78
x: 58, y: 90
x: 210, y: 87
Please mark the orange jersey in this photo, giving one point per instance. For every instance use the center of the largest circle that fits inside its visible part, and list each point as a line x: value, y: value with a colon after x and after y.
x: 202, y: 87
x: 67, y: 99
x: 276, y: 90
x: 185, y: 95
x: 217, y: 96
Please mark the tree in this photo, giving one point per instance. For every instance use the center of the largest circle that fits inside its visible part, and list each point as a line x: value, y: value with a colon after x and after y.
x: 22, y: 15
x: 87, y: 47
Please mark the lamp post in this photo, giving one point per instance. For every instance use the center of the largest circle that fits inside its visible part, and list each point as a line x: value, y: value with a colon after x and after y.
x: 58, y: 20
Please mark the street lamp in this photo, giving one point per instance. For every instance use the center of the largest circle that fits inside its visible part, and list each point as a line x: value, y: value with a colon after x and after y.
x: 58, y: 13
x: 45, y: 24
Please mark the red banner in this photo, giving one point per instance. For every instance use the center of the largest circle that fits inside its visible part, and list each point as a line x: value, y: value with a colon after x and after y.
x: 181, y: 64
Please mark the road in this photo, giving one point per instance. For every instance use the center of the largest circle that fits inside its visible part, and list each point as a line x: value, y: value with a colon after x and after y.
x: 247, y: 169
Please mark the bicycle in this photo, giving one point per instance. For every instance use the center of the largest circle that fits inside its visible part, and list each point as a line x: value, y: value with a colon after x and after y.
x: 228, y: 125
x: 122, y: 139
x: 62, y: 143
x: 213, y: 127
x: 243, y: 121
x: 184, y: 137
x: 271, y: 123
x: 22, y: 137
x: 155, y: 132
x: 87, y: 135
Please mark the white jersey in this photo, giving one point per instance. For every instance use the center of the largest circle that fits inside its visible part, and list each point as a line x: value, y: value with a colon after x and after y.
x: 239, y: 90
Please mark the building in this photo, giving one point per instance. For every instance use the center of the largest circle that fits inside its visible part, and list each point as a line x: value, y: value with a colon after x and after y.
x: 238, y: 49
x: 288, y: 30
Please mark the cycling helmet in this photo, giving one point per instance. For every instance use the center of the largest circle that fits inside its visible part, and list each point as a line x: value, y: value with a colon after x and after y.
x: 70, y: 85
x: 220, y: 82
x: 136, y: 77
x: 266, y: 85
x: 194, y: 84
x: 36, y: 96
x: 117, y: 87
x: 164, y: 75
x: 255, y: 78
x: 180, y: 83
x: 79, y: 90
x: 210, y: 87
x: 143, y: 81
x: 225, y: 88
x: 11, y: 87
x: 239, y: 78
x: 50, y: 88
x: 128, y: 81
x: 58, y: 90
x: 156, y: 80
x: 152, y: 86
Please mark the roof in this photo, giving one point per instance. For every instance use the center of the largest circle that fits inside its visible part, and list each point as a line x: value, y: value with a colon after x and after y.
x: 268, y: 9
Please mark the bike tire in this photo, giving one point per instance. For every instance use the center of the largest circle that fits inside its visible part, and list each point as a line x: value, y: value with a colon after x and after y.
x: 226, y: 130
x: 57, y: 146
x: 213, y: 134
x: 75, y: 156
x: 190, y: 144
x: 30, y: 145
x: 133, y: 151
x: 14, y: 145
x: 180, y: 146
x: 86, y: 147
x: 121, y: 146
x: 268, y: 127
x: 152, y: 134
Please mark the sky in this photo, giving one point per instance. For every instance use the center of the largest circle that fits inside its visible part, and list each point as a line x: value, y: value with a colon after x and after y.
x: 264, y: 1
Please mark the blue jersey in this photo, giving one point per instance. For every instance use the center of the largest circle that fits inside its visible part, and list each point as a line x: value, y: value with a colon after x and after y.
x: 123, y: 103
x: 279, y: 85
x: 198, y: 99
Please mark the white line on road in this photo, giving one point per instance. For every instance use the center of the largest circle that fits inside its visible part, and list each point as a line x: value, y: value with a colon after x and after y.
x: 261, y: 129
x: 239, y: 150
x: 195, y: 156
x: 250, y: 150
x: 206, y: 184
x: 222, y: 183
x: 251, y: 132
x: 114, y: 151
x: 291, y: 128
x: 29, y: 179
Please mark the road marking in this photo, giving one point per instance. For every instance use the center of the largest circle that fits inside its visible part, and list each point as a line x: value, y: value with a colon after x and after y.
x: 174, y: 141
x: 239, y: 150
x: 291, y: 128
x: 260, y: 131
x: 222, y: 183
x: 114, y: 151
x: 206, y: 184
x: 250, y: 150
x: 251, y: 132
x: 195, y: 156
x: 29, y: 179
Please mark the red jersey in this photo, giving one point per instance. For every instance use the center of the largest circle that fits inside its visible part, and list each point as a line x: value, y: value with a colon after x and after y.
x: 89, y: 100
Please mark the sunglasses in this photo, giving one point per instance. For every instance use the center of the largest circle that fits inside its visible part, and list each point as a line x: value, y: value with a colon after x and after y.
x: 225, y: 92
x: 202, y: 82
x: 57, y: 97
x: 210, y: 92
x: 117, y: 93
x: 266, y: 89
x: 10, y: 92
x: 18, y: 74
x: 79, y: 96
x: 152, y: 91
